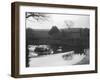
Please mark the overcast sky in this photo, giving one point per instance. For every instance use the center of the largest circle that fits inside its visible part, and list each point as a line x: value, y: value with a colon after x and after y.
x: 79, y: 21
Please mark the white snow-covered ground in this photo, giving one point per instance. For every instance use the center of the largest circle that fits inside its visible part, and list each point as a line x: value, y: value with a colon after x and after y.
x: 56, y: 60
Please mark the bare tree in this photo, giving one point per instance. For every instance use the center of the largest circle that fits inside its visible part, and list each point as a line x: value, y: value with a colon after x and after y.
x: 69, y: 23
x: 37, y: 16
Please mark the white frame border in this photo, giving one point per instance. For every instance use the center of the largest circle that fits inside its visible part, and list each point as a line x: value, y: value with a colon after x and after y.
x: 24, y: 70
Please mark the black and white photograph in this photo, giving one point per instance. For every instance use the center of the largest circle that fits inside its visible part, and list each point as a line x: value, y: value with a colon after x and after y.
x: 54, y: 39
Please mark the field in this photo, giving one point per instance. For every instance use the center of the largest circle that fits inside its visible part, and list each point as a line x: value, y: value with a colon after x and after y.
x: 58, y: 59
